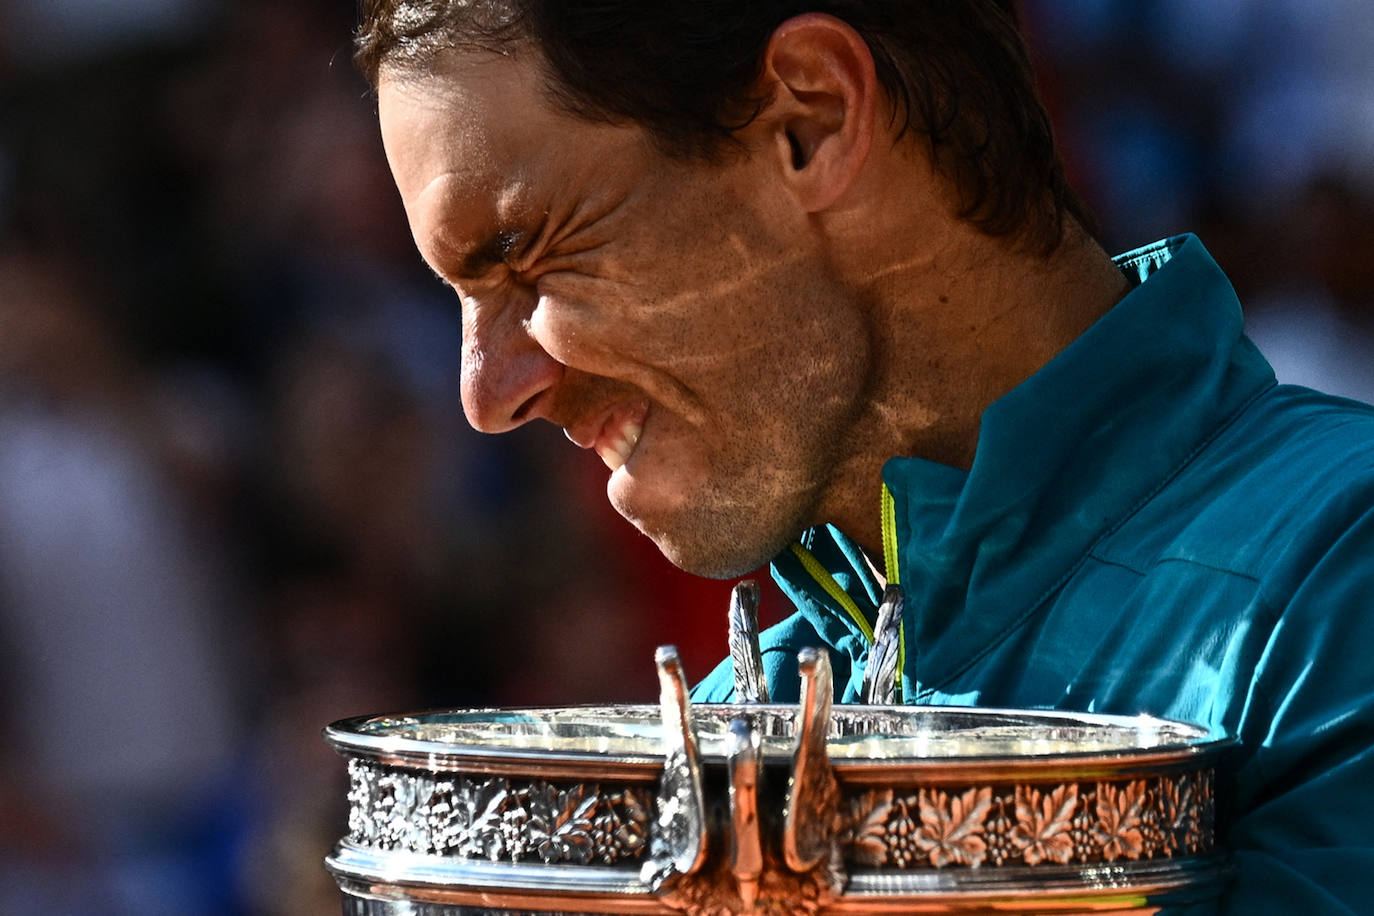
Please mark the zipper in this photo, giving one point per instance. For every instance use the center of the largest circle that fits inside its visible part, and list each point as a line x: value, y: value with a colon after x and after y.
x: 892, y: 570
x: 832, y: 588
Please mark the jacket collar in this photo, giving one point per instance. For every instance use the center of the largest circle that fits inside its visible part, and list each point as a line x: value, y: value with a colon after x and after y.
x: 1062, y: 460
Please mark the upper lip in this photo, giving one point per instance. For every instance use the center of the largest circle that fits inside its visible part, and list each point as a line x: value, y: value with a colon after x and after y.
x: 607, y: 425
x: 585, y: 433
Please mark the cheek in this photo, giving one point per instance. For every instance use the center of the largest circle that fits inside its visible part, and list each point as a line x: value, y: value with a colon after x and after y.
x: 596, y: 324
x: 573, y: 322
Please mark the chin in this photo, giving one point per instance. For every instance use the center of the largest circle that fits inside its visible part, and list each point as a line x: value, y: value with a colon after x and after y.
x: 709, y: 565
x: 714, y: 548
x: 699, y: 529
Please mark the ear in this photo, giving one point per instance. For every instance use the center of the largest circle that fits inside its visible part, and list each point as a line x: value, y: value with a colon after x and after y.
x: 821, y: 114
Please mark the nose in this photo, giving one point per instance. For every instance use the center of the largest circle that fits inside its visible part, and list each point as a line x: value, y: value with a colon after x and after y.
x: 505, y: 371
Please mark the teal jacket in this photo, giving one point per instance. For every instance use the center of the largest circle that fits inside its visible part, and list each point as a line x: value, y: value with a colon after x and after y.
x: 1151, y: 524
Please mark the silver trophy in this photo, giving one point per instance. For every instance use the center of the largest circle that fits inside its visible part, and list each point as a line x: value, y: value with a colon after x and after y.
x: 758, y: 808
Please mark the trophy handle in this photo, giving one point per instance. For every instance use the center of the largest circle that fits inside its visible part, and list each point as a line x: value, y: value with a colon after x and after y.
x: 679, y: 844
x: 880, y: 674
x: 750, y: 684
x: 811, y: 818
x: 751, y: 880
x: 746, y: 841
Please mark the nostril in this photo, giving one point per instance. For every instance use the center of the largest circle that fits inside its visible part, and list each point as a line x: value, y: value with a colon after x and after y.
x: 504, y: 376
x: 522, y: 412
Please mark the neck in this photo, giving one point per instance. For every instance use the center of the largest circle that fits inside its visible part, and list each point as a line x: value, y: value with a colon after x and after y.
x: 953, y: 331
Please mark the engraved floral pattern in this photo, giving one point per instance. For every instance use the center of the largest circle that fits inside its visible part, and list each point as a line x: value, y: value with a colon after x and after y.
x: 1030, y: 825
x: 441, y: 816
x: 997, y: 833
x: 1039, y: 825
x: 481, y: 806
x: 619, y: 831
x: 1043, y: 821
x: 901, y: 833
x: 1177, y: 814
x: 495, y: 819
x: 867, y: 834
x: 1119, y: 821
x: 1085, y: 847
x: 558, y: 822
x: 952, y: 826
x: 1204, y: 828
x: 394, y: 804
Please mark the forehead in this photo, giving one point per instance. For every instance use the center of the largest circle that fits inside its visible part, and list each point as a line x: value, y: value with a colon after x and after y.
x: 476, y: 140
x: 456, y: 123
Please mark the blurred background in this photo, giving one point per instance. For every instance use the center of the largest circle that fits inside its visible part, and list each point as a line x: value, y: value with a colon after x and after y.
x: 237, y: 496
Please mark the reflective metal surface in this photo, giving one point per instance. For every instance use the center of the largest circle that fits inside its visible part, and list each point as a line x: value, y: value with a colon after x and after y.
x: 858, y: 735
x: 750, y: 808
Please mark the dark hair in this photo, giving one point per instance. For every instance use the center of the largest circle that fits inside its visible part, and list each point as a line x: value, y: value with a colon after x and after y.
x: 957, y: 72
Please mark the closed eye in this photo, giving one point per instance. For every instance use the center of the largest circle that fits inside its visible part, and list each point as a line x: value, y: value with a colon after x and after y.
x: 495, y: 251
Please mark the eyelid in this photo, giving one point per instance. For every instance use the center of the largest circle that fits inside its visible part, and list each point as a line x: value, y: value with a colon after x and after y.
x: 496, y: 251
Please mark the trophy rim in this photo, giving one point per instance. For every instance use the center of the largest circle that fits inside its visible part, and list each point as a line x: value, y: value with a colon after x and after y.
x: 1161, y: 742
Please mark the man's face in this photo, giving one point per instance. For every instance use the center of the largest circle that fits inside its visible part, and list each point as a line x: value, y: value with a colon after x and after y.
x: 679, y: 318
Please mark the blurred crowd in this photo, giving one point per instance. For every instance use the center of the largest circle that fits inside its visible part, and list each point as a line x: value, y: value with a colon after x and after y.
x: 1250, y: 122
x: 238, y: 499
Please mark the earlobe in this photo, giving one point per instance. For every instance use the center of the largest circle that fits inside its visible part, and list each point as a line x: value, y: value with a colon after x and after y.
x: 824, y: 93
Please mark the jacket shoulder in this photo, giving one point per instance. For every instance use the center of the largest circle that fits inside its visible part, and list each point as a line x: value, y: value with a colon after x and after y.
x: 1291, y: 474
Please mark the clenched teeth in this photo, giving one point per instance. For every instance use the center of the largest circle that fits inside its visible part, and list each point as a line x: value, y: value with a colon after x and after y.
x: 616, y: 449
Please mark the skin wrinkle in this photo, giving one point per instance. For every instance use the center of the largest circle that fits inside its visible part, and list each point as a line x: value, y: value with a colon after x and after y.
x: 742, y: 266
x: 444, y: 253
x: 477, y: 155
x: 551, y: 232
x: 785, y: 326
x: 556, y: 234
x: 673, y: 356
x: 913, y: 264
x: 639, y: 372
x: 737, y: 284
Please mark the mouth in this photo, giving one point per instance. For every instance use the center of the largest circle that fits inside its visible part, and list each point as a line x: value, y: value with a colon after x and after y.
x: 615, y: 440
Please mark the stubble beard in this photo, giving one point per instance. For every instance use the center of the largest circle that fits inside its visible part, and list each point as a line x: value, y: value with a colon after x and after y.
x: 781, y: 471
x: 751, y: 505
x: 720, y: 534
